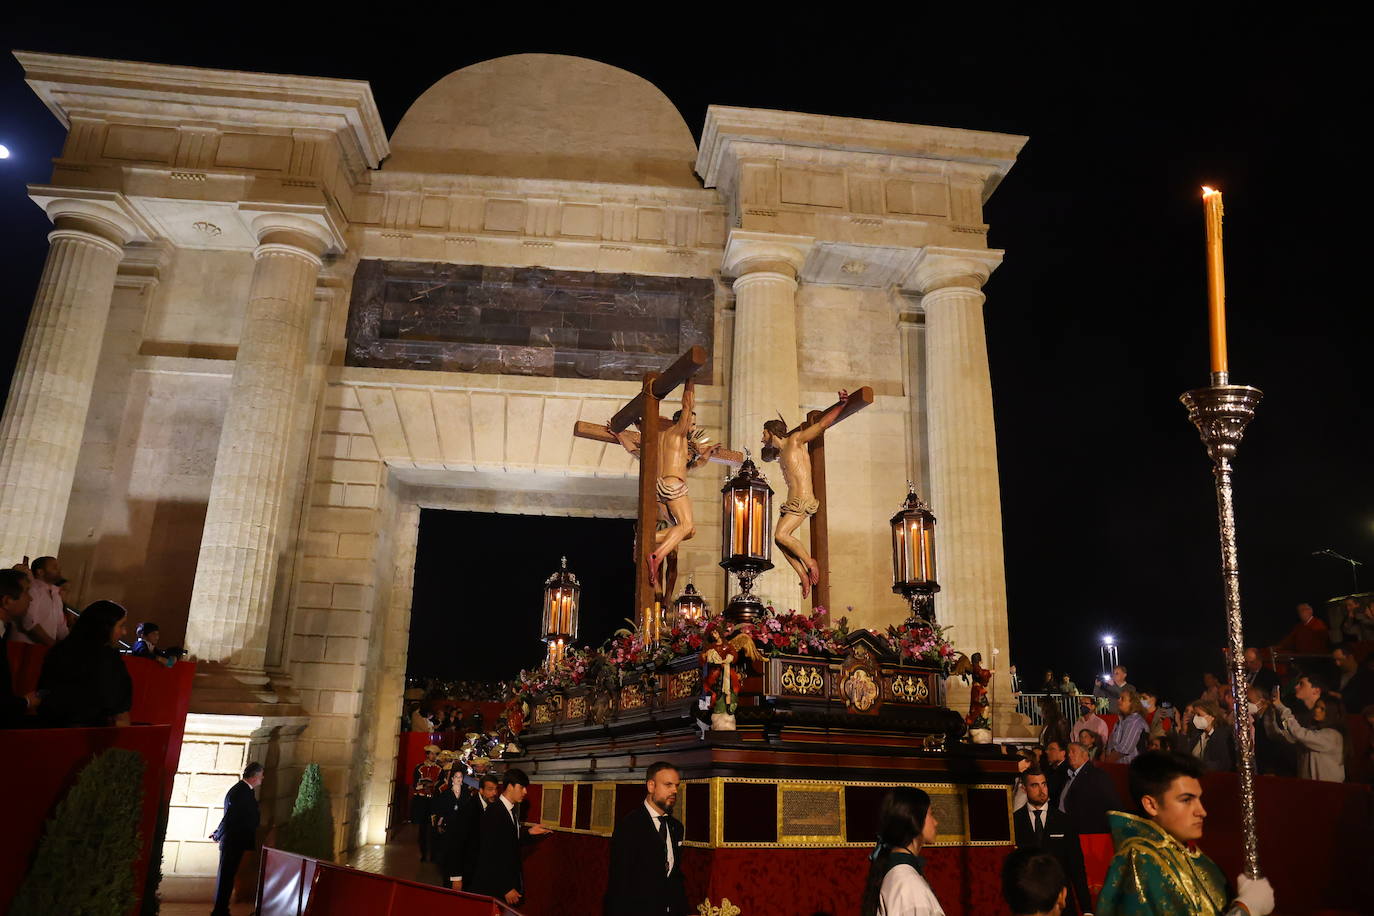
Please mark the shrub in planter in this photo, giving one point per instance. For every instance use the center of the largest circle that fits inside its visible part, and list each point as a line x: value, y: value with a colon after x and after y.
x: 310, y: 831
x: 85, y: 861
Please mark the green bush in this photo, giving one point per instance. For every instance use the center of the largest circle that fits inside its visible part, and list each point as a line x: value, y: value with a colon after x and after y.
x: 310, y: 831
x: 85, y: 861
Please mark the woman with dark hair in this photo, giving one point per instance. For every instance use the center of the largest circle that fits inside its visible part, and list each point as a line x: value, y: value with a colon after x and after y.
x: 86, y: 682
x: 1056, y: 727
x: 895, y: 885
x: 1210, y: 738
x: 1321, y: 746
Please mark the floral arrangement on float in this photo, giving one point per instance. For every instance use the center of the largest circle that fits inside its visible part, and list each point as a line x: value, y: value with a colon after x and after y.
x: 789, y: 633
x: 921, y: 641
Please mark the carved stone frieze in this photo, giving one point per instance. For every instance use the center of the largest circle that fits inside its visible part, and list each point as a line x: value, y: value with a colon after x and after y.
x: 523, y: 321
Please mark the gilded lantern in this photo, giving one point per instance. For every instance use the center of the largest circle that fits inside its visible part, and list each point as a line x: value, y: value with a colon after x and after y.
x: 561, y: 596
x: 913, y: 554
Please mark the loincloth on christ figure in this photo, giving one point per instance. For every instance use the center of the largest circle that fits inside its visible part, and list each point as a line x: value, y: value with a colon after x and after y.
x: 671, y: 488
x: 799, y: 506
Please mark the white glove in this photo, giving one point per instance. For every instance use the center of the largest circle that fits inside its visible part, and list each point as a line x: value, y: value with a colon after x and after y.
x: 1255, y: 894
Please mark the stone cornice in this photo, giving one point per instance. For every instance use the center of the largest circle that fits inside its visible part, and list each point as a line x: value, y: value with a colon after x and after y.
x: 93, y: 87
x: 941, y: 268
x: 598, y: 192
x: 992, y: 154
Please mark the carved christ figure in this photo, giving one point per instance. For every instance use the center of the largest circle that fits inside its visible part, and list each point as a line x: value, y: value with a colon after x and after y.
x: 790, y: 450
x: 674, y: 460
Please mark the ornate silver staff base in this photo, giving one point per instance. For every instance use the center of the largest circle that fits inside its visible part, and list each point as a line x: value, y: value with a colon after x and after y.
x: 1221, y: 414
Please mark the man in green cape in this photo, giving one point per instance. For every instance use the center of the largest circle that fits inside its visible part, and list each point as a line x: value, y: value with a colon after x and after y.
x: 1156, y: 870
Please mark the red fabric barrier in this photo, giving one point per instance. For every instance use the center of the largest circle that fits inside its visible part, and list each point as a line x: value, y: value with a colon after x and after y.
x: 1097, y: 858
x: 161, y: 695
x: 39, y: 766
x: 1315, y: 838
x: 292, y: 885
x: 567, y: 874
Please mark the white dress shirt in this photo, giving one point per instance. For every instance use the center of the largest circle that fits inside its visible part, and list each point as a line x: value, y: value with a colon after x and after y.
x: 45, y: 610
x: 655, y: 815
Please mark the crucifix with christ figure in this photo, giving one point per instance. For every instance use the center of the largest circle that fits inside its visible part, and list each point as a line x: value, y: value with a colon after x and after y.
x: 667, y: 449
x: 801, y: 453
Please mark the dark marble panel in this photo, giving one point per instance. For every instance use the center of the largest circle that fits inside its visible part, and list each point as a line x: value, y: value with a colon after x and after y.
x: 523, y: 320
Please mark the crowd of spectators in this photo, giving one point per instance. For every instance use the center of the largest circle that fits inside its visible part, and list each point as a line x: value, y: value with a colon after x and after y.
x: 83, y: 681
x: 1299, y: 722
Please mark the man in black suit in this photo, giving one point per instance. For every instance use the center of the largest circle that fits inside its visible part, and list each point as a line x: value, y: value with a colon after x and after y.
x: 646, y: 853
x: 498, y: 873
x: 1056, y: 767
x: 1039, y: 825
x: 236, y: 834
x: 1088, y: 795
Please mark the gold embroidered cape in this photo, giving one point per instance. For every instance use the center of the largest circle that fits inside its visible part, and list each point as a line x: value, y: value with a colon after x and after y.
x: 1153, y: 874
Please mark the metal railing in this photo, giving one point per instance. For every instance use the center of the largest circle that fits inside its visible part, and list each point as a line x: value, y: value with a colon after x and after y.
x: 1028, y: 704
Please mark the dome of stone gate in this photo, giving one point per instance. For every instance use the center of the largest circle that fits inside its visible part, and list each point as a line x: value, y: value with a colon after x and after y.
x: 546, y: 116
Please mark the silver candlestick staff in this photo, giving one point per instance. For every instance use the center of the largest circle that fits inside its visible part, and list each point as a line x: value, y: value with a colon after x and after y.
x: 1221, y: 413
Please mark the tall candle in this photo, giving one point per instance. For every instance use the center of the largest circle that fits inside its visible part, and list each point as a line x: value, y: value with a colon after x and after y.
x: 1216, y: 280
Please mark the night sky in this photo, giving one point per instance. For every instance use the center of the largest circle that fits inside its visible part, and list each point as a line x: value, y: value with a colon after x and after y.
x: 1095, y: 320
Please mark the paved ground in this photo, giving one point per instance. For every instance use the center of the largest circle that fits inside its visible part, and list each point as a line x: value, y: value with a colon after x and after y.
x: 400, y: 859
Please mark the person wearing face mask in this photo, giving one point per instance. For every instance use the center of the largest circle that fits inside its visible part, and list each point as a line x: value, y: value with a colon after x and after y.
x: 1209, y: 738
x: 1321, y: 747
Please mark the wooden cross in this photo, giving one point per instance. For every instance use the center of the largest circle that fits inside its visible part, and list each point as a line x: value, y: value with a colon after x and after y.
x: 643, y: 409
x: 820, y: 522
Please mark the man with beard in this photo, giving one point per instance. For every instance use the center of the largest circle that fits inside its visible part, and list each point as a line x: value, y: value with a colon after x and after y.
x: 646, y: 853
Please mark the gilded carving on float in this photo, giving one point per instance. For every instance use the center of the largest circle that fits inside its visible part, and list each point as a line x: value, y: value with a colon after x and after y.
x: 909, y: 688
x: 860, y: 690
x: 802, y: 679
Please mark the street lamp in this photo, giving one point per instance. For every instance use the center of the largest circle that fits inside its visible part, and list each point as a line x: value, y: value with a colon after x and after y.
x: 562, y: 593
x: 913, y: 555
x: 1107, y: 652
x: 746, y: 509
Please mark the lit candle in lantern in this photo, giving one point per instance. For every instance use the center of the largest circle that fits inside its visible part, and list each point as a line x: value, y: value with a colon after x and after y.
x: 1216, y: 284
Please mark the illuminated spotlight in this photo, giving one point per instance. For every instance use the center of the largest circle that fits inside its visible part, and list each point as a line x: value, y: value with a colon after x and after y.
x: 4, y: 151
x: 1108, y: 640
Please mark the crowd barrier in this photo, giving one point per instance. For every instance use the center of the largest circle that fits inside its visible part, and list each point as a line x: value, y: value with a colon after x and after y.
x: 295, y: 885
x: 38, y: 766
x: 44, y: 763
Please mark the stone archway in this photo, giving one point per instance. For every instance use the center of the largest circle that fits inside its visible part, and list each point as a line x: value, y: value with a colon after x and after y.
x: 391, y: 442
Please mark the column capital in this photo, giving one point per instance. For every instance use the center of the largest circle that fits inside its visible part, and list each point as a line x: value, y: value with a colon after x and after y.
x: 941, y: 268
x: 747, y: 252
x: 310, y: 229
x: 106, y: 215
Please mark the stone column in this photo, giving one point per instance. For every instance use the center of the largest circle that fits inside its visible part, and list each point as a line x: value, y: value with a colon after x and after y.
x: 763, y: 372
x: 232, y: 598
x: 45, y: 416
x: 964, y: 487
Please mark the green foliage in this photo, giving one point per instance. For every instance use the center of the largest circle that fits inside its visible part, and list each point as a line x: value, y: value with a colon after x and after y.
x: 310, y: 831
x: 152, y: 905
x: 85, y: 861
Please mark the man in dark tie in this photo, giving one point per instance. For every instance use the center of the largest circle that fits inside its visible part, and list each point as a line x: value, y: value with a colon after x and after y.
x: 646, y: 853
x: 1041, y: 826
x: 236, y: 834
x: 498, y: 873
